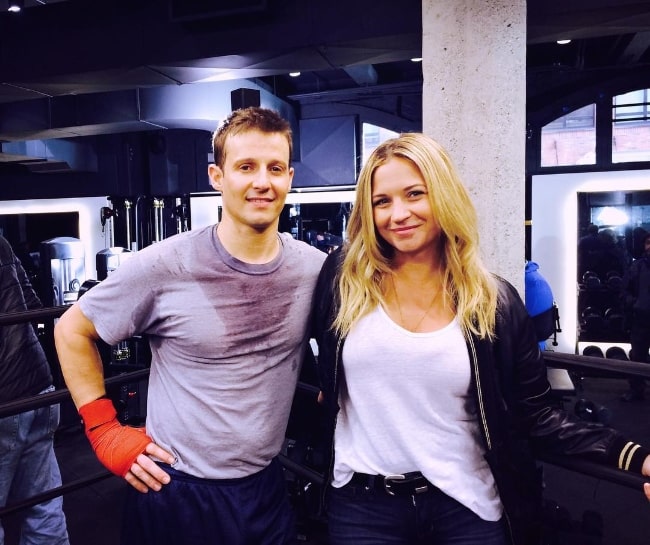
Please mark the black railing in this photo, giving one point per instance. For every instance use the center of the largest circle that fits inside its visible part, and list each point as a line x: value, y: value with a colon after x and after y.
x: 597, y: 366
x: 579, y: 364
x: 44, y: 400
x: 32, y: 315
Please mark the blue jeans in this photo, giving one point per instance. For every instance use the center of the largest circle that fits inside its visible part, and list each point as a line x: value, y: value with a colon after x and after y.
x: 358, y: 516
x: 194, y: 511
x: 28, y: 467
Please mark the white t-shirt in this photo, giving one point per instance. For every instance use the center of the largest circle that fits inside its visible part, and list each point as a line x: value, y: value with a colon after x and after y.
x: 406, y: 406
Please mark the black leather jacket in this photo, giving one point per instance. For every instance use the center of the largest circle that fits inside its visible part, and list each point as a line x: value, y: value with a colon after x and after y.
x: 517, y: 415
x: 24, y: 369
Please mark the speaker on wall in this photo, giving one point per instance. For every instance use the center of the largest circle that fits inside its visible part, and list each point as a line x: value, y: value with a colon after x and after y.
x: 244, y: 98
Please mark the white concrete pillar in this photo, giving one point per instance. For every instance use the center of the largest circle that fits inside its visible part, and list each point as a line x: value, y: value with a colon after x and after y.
x: 474, y: 104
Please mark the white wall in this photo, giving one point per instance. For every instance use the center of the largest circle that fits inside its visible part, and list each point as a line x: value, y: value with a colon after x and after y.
x: 554, y: 234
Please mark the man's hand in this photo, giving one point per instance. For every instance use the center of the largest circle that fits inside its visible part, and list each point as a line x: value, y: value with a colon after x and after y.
x: 145, y: 474
x: 123, y: 449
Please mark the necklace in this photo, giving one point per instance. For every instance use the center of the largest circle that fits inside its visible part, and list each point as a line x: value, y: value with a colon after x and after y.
x: 399, y: 308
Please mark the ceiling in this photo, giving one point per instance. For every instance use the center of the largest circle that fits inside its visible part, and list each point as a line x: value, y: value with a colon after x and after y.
x: 51, y: 53
x: 357, y: 53
x: 610, y: 47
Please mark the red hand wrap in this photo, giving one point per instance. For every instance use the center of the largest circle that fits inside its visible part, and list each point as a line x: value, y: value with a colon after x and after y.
x: 115, y: 445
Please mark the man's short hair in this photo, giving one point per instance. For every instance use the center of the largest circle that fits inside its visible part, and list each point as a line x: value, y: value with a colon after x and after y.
x: 248, y: 119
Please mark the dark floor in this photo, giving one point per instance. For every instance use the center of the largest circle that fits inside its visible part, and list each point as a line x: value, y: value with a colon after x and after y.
x: 589, y: 511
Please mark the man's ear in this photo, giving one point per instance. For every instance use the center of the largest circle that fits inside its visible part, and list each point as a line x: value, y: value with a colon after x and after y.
x: 291, y: 173
x: 216, y: 177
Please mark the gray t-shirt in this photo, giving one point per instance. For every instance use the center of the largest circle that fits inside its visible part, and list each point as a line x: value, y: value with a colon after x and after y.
x: 227, y: 340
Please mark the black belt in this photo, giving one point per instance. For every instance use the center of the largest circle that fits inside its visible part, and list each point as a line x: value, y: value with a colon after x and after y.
x: 407, y: 484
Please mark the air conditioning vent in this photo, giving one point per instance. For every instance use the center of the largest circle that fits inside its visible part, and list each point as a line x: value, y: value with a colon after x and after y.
x: 192, y: 10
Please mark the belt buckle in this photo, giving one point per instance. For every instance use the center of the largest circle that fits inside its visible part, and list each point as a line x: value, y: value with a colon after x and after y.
x: 388, y: 479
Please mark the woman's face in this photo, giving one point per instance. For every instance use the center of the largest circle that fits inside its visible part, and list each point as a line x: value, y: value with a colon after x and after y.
x: 401, y: 209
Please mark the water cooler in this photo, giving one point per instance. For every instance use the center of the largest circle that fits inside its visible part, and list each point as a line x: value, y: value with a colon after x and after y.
x: 63, y: 270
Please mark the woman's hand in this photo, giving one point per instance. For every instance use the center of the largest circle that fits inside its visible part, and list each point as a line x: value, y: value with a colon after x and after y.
x: 645, y: 470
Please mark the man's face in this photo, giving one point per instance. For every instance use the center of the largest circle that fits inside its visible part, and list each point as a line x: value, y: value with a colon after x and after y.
x: 254, y: 180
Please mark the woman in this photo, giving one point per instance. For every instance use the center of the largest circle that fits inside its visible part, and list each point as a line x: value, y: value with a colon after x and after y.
x: 434, y: 365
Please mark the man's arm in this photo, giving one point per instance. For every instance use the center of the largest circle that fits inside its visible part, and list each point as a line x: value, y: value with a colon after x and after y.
x: 76, y: 338
x: 122, y: 449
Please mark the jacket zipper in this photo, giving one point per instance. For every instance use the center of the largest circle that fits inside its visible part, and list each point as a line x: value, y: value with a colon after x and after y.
x: 337, y: 355
x: 481, y: 408
x: 330, y: 468
x: 479, y: 393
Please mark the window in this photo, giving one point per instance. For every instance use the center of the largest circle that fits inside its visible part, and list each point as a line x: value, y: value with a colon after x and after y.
x: 631, y: 107
x: 570, y: 139
x: 631, y: 127
x: 372, y: 136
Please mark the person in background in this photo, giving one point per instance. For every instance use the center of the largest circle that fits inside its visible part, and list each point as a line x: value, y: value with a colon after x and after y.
x: 28, y: 464
x: 614, y: 257
x: 226, y: 310
x: 636, y: 304
x: 538, y: 298
x: 431, y: 373
x: 591, y: 248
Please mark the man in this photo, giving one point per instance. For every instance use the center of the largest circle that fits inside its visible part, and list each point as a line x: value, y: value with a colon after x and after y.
x: 225, y: 309
x: 636, y: 303
x: 28, y: 465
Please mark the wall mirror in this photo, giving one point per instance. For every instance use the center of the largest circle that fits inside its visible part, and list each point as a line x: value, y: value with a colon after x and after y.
x: 611, y: 228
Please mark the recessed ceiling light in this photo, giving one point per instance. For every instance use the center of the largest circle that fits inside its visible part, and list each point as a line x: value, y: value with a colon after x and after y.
x: 563, y: 42
x: 294, y: 74
x: 416, y: 59
x: 15, y: 6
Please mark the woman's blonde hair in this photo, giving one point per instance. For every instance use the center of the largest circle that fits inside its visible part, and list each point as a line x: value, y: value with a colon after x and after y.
x: 467, y: 285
